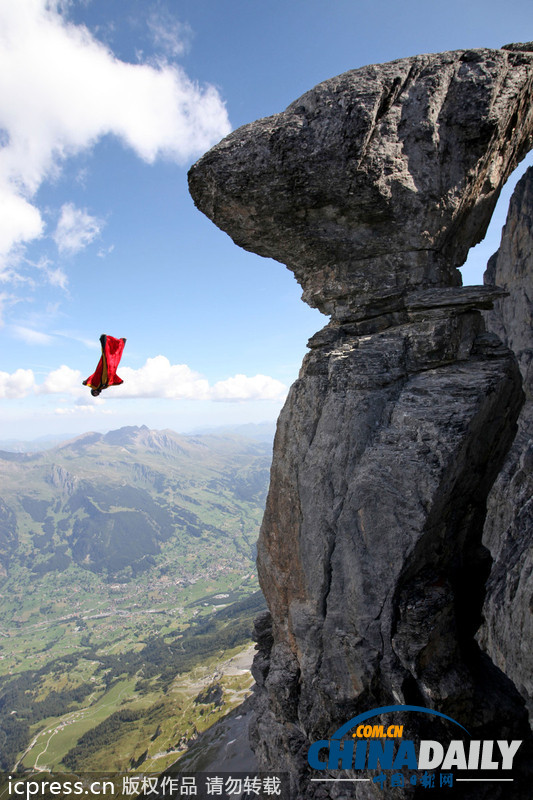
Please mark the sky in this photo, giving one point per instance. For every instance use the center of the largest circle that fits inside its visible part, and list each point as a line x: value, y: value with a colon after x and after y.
x: 104, y: 105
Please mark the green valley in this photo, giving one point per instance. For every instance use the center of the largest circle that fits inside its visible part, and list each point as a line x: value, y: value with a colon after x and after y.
x: 128, y: 582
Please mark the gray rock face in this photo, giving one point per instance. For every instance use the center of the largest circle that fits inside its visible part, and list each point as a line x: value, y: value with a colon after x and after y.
x: 379, y: 180
x: 370, y: 554
x: 507, y: 634
x: 371, y: 188
x: 511, y: 268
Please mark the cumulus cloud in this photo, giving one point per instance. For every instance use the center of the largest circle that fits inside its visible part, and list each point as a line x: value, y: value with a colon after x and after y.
x: 19, y: 220
x: 63, y: 380
x: 75, y: 229
x: 16, y: 384
x: 62, y: 90
x: 157, y: 378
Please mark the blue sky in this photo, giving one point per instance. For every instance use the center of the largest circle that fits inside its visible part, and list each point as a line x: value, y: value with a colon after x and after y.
x: 105, y: 104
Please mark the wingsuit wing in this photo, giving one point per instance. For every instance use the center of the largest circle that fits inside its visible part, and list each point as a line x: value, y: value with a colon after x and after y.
x: 106, y: 372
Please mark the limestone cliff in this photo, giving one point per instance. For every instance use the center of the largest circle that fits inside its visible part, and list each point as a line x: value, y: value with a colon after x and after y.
x: 371, y: 188
x: 507, y: 634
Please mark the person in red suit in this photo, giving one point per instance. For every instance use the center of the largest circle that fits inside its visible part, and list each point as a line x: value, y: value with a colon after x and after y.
x: 106, y: 372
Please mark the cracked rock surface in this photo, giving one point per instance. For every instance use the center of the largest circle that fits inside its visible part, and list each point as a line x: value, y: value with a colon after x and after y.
x: 371, y: 188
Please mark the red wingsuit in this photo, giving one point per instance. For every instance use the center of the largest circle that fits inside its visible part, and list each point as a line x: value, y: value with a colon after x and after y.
x: 106, y: 371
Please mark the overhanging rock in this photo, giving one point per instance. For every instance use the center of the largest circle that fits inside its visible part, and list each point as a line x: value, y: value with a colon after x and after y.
x: 371, y: 188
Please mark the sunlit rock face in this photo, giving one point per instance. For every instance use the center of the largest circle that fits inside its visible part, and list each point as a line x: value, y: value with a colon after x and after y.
x: 507, y: 634
x: 371, y: 188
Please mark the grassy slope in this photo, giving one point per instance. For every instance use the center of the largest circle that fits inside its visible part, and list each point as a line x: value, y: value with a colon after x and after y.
x: 78, y: 585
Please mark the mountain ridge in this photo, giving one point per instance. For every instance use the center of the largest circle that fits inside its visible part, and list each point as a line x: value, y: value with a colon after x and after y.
x: 262, y: 431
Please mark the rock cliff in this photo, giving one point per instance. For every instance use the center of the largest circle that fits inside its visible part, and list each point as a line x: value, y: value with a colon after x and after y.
x: 507, y: 634
x: 371, y: 188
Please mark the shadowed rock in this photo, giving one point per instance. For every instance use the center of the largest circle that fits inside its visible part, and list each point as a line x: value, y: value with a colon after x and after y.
x: 507, y: 634
x: 371, y: 188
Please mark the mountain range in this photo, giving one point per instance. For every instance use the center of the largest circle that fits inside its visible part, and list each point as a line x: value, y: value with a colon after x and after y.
x: 110, y: 502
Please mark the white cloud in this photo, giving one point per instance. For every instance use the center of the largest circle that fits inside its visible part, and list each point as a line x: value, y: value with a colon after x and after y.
x: 168, y: 34
x: 55, y: 276
x: 5, y: 300
x: 62, y: 90
x: 103, y: 252
x: 240, y: 387
x: 73, y: 335
x: 63, y: 380
x: 19, y: 220
x: 31, y: 336
x: 82, y: 409
x: 157, y: 378
x: 75, y: 229
x: 17, y: 384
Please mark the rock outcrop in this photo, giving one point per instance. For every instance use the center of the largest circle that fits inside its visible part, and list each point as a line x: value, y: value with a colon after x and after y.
x: 507, y: 634
x: 377, y: 181
x: 371, y: 188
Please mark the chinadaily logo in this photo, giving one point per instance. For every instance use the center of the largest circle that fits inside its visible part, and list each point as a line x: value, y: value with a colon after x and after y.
x: 376, y: 752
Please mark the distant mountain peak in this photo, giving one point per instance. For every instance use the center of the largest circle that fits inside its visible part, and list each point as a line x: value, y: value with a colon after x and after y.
x: 126, y: 435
